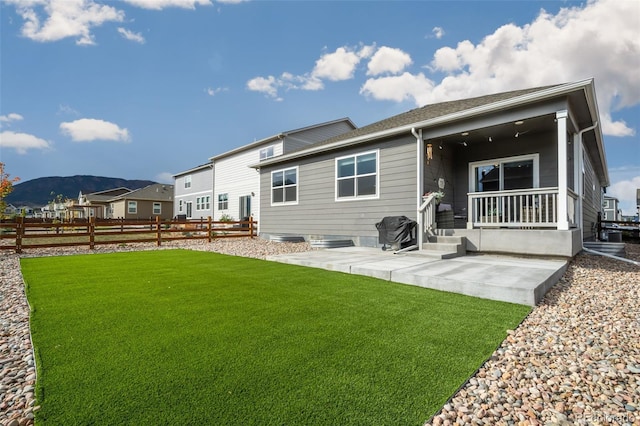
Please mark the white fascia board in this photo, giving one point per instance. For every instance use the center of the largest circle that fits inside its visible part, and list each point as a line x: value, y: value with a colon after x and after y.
x: 195, y: 169
x: 484, y: 109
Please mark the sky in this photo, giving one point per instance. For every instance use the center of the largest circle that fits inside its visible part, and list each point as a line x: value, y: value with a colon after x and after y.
x: 144, y: 89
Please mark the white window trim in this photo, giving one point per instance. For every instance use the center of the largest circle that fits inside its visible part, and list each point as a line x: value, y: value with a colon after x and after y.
x: 153, y: 208
x: 187, y: 181
x: 135, y: 204
x: 285, y: 203
x: 536, y: 168
x: 266, y: 150
x: 356, y: 197
x: 203, y: 203
x: 225, y: 201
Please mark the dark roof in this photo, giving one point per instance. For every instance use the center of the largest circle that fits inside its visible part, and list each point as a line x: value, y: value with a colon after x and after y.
x: 431, y: 111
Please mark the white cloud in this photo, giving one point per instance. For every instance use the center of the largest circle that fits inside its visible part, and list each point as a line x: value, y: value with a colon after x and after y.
x: 214, y: 91
x: 335, y: 66
x: 22, y: 142
x: 10, y: 117
x: 398, y: 88
x: 64, y: 18
x: 268, y: 85
x: 438, y: 32
x: 388, y: 60
x: 599, y: 40
x: 89, y: 129
x: 66, y: 109
x: 625, y: 192
x: 130, y: 35
x: 163, y: 4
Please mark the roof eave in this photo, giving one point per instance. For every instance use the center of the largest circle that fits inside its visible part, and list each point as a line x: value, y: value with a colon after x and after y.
x: 471, y: 112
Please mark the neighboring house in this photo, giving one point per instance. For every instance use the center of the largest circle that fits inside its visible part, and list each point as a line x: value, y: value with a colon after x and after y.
x: 237, y: 186
x: 611, y: 209
x: 97, y: 204
x: 227, y: 186
x: 193, y: 192
x: 522, y: 172
x: 638, y: 204
x: 149, y: 202
x: 10, y: 210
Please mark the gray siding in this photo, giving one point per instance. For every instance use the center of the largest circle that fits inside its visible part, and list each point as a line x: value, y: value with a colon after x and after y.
x: 591, y: 200
x: 318, y: 215
x: 299, y: 140
x: 543, y: 144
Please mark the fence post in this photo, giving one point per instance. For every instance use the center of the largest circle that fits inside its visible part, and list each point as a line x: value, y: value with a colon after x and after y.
x: 251, y: 227
x: 92, y: 236
x: 209, y: 228
x: 158, y: 231
x: 19, y: 233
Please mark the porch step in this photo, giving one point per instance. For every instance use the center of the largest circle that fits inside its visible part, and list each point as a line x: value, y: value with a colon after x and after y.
x: 444, y: 247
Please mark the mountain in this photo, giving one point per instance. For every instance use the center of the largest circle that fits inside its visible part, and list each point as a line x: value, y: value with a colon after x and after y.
x: 38, y: 192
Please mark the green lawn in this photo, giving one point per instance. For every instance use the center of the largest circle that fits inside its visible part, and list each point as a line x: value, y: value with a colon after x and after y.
x: 184, y: 337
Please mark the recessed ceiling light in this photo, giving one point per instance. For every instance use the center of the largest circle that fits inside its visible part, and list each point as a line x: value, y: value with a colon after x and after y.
x: 519, y: 122
x: 465, y: 133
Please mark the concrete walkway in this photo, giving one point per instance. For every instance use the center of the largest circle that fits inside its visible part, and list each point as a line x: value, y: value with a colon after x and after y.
x: 509, y: 279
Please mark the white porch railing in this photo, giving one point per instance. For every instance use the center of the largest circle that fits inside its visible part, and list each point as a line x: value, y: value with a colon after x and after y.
x: 428, y: 211
x: 524, y: 208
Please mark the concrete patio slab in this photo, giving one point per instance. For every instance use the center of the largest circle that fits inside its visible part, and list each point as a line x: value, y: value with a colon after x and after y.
x: 509, y: 279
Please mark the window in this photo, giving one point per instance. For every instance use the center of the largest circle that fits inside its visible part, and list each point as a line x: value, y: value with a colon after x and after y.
x: 223, y: 201
x: 504, y: 173
x: 187, y: 181
x: 203, y: 203
x: 357, y: 176
x: 284, y: 186
x: 132, y: 207
x: 266, y: 152
x: 157, y: 208
x: 180, y: 203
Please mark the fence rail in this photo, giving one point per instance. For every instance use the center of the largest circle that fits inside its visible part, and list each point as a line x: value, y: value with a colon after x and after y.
x: 21, y: 234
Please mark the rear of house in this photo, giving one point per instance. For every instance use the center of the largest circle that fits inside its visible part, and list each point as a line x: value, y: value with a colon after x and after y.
x: 520, y: 172
x: 193, y: 198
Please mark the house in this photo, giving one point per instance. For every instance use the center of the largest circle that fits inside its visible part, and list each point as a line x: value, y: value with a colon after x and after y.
x: 226, y: 187
x: 10, y: 210
x: 149, y: 202
x: 98, y: 204
x: 194, y: 188
x: 519, y: 172
x: 611, y: 209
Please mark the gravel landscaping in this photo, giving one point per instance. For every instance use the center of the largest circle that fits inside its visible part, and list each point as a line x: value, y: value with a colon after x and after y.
x: 574, y: 360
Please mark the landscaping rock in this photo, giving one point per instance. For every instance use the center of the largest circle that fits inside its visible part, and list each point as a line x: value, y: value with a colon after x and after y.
x: 574, y: 360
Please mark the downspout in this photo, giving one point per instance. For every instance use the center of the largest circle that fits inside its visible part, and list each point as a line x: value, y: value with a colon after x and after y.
x: 581, y: 194
x: 419, y: 182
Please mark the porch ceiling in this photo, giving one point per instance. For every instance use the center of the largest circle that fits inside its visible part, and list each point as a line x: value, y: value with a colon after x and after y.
x: 501, y: 132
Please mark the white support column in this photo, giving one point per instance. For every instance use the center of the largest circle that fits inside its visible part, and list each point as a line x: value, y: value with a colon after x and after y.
x: 420, y: 154
x: 563, y: 219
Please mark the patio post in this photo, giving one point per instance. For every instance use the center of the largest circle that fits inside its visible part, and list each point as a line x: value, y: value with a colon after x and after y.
x: 563, y: 218
x: 419, y: 183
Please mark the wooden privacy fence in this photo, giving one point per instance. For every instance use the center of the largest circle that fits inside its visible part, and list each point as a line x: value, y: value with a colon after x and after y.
x: 22, y: 234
